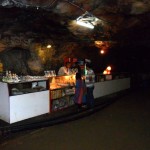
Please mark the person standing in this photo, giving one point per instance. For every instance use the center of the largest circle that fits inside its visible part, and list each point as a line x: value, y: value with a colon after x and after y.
x: 80, y: 91
x: 65, y: 70
x: 76, y: 67
x: 89, y: 81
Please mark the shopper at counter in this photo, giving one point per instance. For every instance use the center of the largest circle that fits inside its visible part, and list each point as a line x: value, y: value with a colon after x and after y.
x: 76, y: 68
x: 89, y: 80
x: 65, y: 70
x: 80, y: 91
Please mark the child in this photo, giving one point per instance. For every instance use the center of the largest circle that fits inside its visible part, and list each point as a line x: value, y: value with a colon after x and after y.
x: 80, y: 91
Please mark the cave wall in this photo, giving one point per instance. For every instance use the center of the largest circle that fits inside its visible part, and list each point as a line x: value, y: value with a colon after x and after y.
x: 37, y: 57
x: 26, y: 32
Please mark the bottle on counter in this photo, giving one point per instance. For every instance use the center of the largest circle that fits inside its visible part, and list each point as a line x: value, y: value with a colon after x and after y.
x: 85, y: 70
x: 6, y: 73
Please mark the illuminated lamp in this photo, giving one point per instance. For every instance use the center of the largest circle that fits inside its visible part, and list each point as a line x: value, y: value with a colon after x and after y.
x: 108, y: 72
x: 99, y: 43
x: 85, y: 24
x: 109, y: 68
x: 87, y: 20
x: 102, y: 51
x: 49, y: 46
x: 105, y: 72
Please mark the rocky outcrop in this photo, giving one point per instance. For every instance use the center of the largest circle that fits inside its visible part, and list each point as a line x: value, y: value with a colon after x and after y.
x: 33, y: 24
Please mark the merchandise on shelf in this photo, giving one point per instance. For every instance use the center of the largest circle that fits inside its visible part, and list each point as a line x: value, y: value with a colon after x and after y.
x: 61, y: 92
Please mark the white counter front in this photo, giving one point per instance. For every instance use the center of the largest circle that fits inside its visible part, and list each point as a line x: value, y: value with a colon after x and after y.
x: 111, y: 86
x: 14, y: 108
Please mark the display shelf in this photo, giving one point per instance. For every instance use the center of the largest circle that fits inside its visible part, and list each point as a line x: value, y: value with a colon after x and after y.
x: 60, y: 98
x: 62, y: 90
x: 20, y: 101
x: 27, y: 87
x: 62, y: 103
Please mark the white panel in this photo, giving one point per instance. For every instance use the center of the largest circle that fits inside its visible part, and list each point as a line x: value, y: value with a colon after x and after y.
x: 109, y: 87
x: 4, y: 102
x: 28, y: 105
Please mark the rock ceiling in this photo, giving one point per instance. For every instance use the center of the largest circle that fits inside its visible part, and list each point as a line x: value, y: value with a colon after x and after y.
x: 23, y: 22
x: 120, y: 19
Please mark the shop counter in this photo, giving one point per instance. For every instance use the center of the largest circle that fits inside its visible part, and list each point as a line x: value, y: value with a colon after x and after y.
x: 62, y: 89
x: 20, y: 101
x: 23, y: 100
x: 110, y: 86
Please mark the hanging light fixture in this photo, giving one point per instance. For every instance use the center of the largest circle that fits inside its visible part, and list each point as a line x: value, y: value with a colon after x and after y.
x: 85, y: 24
x: 87, y: 20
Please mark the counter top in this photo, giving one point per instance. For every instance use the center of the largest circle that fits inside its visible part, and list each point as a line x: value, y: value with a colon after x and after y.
x: 26, y: 80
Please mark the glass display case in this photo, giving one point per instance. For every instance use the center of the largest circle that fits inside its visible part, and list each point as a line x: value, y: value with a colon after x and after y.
x: 24, y: 99
x: 62, y: 89
x: 27, y: 87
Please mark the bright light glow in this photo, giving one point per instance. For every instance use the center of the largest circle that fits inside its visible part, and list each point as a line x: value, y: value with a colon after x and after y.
x: 105, y: 72
x: 49, y: 46
x: 87, y: 20
x: 109, y: 68
x: 85, y: 24
x: 102, y: 51
x: 98, y: 42
x: 108, y: 72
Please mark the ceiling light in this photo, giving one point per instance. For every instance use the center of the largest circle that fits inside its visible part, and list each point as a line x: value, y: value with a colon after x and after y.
x: 87, y: 20
x: 102, y: 51
x: 85, y: 24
